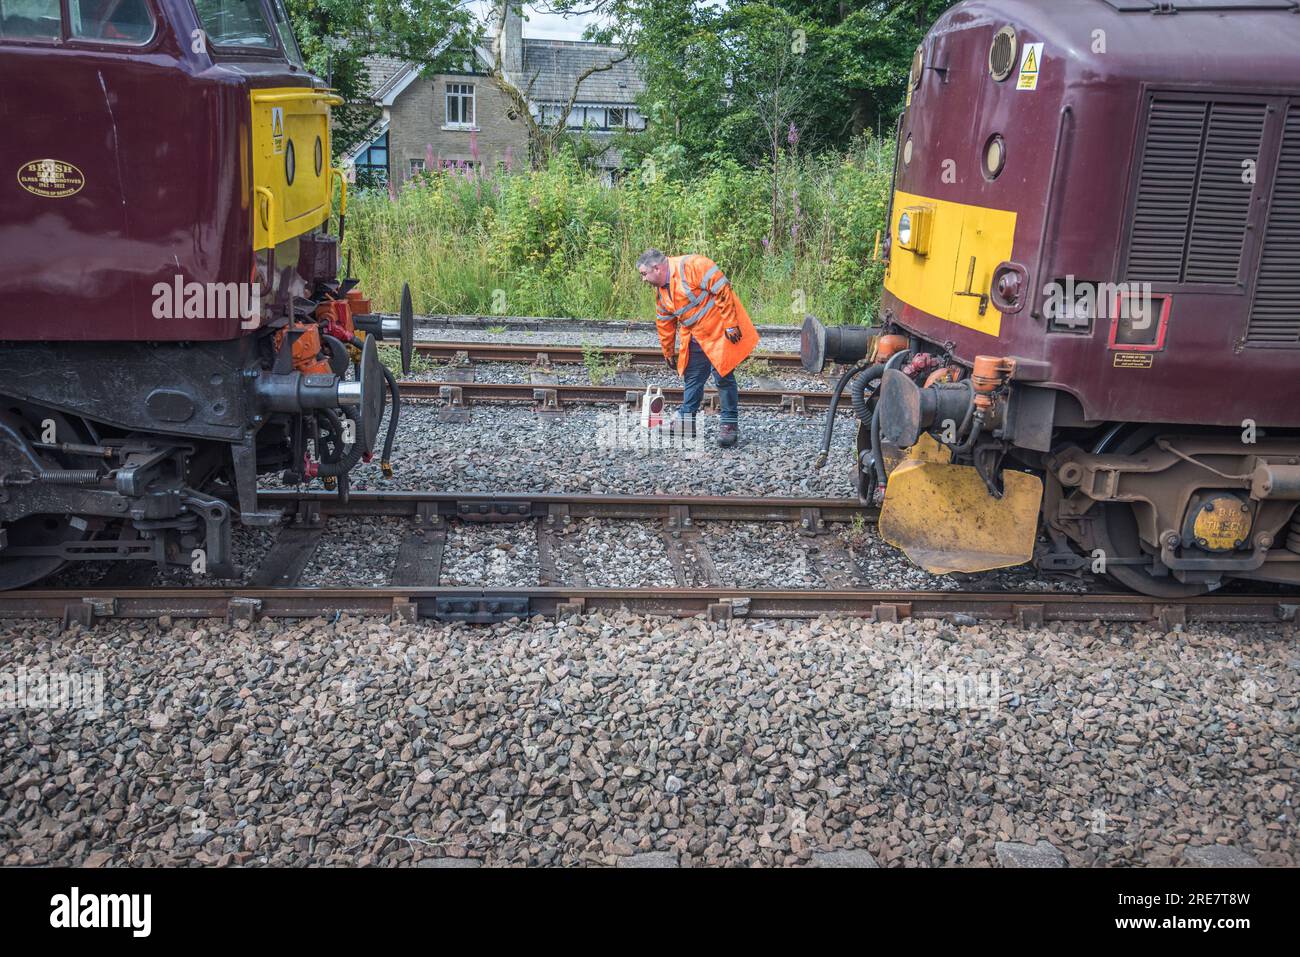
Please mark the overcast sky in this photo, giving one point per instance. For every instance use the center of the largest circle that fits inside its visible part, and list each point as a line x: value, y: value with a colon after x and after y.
x: 543, y: 24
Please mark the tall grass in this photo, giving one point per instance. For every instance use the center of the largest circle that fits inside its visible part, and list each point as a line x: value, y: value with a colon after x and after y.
x: 556, y: 242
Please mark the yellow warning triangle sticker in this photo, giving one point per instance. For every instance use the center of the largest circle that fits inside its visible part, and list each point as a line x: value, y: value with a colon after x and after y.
x: 1031, y: 63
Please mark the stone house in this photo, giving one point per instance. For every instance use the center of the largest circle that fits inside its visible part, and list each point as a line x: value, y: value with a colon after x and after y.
x: 462, y: 118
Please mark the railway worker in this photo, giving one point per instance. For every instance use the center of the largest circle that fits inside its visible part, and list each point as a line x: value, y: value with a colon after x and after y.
x: 695, y: 302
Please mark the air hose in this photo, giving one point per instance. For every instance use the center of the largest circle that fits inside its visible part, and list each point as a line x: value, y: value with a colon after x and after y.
x: 386, y: 461
x: 829, y: 433
x: 858, y: 390
x: 346, y: 462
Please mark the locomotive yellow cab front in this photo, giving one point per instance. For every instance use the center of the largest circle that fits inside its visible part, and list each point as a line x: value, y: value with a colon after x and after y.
x: 292, y: 175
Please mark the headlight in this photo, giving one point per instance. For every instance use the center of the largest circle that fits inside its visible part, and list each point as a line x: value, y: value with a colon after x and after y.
x: 914, y: 228
x: 995, y: 157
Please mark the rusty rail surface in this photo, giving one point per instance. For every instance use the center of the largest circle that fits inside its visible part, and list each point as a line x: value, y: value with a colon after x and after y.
x: 553, y: 396
x: 479, y: 605
x: 524, y: 506
x: 546, y: 354
x: 555, y: 323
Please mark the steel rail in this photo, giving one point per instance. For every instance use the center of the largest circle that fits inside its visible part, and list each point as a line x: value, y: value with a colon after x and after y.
x: 457, y: 603
x: 554, y: 324
x: 546, y: 354
x: 551, y: 395
x: 523, y: 506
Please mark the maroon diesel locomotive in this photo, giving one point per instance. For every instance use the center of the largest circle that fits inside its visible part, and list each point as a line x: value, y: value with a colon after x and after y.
x: 173, y: 320
x: 1091, y: 311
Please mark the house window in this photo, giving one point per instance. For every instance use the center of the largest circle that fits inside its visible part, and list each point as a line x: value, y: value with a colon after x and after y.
x: 460, y: 104
x: 417, y: 166
x: 617, y: 117
x: 372, y: 163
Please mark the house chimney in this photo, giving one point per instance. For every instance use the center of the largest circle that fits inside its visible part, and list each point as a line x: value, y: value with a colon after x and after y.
x: 510, y: 39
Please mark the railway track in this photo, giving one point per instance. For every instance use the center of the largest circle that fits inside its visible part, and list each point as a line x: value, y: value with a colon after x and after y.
x: 495, y: 324
x: 684, y: 510
x: 548, y: 354
x: 416, y: 592
x: 485, y: 605
x: 553, y: 396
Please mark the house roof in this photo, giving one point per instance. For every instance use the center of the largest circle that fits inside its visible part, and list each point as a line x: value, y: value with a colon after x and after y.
x: 550, y: 69
x: 373, y: 133
x: 408, y: 73
x: 552, y: 66
x: 380, y: 70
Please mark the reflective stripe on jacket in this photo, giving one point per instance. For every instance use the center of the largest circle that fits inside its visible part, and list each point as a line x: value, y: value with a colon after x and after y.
x: 699, y: 303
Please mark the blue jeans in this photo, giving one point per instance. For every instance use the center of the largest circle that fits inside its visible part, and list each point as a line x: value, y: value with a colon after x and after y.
x: 698, y: 368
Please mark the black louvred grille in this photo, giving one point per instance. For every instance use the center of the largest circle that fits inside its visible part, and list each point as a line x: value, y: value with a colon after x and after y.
x: 1223, y: 193
x: 1275, y: 314
x: 1193, y: 199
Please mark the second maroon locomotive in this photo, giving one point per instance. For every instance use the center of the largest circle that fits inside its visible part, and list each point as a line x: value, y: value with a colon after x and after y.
x: 1092, y: 298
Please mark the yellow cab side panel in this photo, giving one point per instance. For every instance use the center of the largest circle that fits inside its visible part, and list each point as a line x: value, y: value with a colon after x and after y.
x: 291, y: 135
x: 930, y: 280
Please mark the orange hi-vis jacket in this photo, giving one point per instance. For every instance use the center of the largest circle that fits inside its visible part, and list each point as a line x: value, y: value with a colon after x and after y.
x: 700, y: 303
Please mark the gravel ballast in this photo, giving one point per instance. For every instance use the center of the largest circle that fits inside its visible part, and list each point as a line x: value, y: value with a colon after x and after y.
x: 510, y: 448
x: 492, y: 555
x: 599, y: 738
x: 608, y: 554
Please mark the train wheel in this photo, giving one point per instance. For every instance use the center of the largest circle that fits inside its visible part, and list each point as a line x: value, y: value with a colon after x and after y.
x: 1118, y: 539
x: 1117, y: 534
x: 36, y: 531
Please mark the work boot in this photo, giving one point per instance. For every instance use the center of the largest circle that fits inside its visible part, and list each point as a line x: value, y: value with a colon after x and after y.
x: 728, y: 435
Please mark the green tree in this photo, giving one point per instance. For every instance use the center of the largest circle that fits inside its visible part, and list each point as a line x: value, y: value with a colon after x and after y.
x: 337, y: 35
x: 718, y: 76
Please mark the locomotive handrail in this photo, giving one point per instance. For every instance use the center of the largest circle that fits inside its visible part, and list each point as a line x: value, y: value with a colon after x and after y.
x: 343, y: 201
x: 268, y: 221
x: 343, y: 187
x: 1037, y: 293
x: 329, y: 99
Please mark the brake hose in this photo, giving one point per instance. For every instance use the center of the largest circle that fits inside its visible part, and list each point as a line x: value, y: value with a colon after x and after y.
x: 386, y: 461
x: 829, y: 431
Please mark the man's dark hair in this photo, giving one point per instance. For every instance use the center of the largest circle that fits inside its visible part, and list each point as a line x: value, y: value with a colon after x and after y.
x: 651, y: 257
